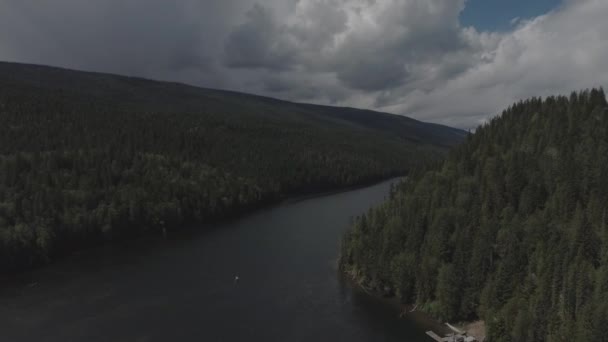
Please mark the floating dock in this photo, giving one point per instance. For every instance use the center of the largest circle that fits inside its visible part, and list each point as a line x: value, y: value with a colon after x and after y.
x: 434, y: 336
x: 451, y: 338
x: 457, y: 336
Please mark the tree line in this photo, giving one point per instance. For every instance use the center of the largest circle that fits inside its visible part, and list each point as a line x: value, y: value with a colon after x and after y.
x: 511, y: 227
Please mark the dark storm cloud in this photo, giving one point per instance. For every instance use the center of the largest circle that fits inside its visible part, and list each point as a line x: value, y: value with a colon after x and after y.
x: 114, y: 35
x: 365, y: 53
x: 137, y: 37
x: 258, y: 43
x: 405, y: 56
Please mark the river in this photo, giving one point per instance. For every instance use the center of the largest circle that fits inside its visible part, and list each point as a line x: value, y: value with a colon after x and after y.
x: 183, y: 288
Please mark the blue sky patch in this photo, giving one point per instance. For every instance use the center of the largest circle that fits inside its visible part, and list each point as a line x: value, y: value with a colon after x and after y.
x: 498, y: 15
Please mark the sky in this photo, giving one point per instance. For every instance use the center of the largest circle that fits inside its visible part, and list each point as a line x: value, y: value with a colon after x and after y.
x: 454, y: 62
x: 501, y: 15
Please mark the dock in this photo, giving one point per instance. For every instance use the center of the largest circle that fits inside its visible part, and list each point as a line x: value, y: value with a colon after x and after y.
x: 456, y: 337
x: 434, y: 336
x: 451, y: 337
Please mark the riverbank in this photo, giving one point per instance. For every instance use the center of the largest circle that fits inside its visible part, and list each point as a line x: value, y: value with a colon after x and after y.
x: 475, y: 329
x: 192, y: 225
x: 303, y: 197
x: 416, y: 313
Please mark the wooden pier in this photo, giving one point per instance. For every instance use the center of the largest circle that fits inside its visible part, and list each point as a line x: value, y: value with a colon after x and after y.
x: 451, y: 337
x: 457, y: 336
x: 434, y: 336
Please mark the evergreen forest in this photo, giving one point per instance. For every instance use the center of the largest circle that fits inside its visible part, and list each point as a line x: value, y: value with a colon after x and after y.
x: 510, y: 228
x: 87, y: 158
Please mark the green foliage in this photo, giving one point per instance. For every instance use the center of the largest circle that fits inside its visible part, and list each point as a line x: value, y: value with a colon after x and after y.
x: 510, y: 228
x: 87, y: 158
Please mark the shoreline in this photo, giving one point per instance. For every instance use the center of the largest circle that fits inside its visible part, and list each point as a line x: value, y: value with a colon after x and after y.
x: 205, y: 227
x: 410, y: 312
x: 313, y: 195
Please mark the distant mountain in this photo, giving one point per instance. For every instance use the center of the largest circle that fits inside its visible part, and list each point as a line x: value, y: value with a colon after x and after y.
x: 89, y: 157
x: 510, y: 228
x: 175, y: 96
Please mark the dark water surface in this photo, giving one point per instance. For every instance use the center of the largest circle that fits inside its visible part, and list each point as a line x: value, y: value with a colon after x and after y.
x: 183, y: 289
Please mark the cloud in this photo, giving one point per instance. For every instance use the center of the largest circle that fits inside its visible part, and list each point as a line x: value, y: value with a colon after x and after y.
x: 109, y: 35
x: 369, y: 45
x: 410, y: 57
x: 150, y: 38
x: 258, y: 43
x: 561, y: 51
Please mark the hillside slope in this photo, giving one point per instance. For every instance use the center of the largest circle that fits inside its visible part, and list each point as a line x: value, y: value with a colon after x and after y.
x: 175, y: 97
x: 89, y: 157
x: 511, y: 227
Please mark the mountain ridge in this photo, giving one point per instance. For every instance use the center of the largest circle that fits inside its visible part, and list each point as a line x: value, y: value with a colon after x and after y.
x: 41, y: 75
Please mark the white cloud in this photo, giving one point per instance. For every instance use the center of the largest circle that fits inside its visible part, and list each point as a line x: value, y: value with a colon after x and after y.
x: 561, y: 51
x: 410, y: 57
x: 369, y: 45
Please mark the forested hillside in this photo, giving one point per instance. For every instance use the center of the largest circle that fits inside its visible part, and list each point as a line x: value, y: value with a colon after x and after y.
x: 87, y: 157
x: 510, y: 228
